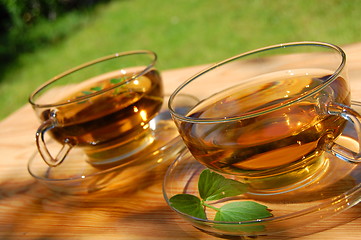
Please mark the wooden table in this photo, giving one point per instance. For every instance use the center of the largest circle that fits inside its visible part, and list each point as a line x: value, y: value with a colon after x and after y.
x: 28, y: 210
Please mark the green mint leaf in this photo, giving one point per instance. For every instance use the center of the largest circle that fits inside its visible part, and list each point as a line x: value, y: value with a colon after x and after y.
x: 116, y: 80
x: 96, y: 88
x: 86, y: 92
x: 213, y: 186
x: 188, y: 204
x: 242, y: 211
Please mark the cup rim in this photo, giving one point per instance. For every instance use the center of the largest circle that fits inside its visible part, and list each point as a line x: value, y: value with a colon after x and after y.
x: 333, y: 76
x: 152, y: 63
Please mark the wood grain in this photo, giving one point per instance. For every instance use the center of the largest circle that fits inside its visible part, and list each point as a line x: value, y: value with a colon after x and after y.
x: 28, y: 210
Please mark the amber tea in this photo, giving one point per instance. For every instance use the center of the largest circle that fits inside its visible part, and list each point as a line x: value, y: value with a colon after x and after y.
x: 264, y: 142
x: 116, y: 117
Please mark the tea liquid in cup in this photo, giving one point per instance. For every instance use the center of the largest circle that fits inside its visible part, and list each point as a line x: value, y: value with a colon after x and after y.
x: 267, y: 116
x: 103, y: 106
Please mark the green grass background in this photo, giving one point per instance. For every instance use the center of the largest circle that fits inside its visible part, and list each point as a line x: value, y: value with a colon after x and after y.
x: 182, y: 32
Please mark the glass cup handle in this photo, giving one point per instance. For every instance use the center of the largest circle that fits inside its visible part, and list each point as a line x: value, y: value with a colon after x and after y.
x: 43, y: 150
x: 354, y: 118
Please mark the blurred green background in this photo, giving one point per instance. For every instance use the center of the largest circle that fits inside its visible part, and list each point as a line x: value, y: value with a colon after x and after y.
x: 42, y: 38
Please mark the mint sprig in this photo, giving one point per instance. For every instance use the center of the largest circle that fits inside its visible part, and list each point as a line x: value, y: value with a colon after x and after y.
x: 213, y: 186
x: 112, y: 81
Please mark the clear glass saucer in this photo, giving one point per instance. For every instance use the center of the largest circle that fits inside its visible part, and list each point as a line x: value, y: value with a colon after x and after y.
x: 294, y: 212
x: 76, y: 176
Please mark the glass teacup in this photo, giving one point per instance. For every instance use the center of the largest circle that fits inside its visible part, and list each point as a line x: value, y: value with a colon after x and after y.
x: 268, y: 116
x: 103, y: 106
